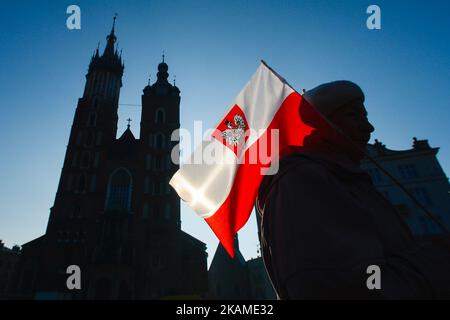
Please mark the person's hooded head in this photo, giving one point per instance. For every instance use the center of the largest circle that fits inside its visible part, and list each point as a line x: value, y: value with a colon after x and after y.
x: 342, y: 104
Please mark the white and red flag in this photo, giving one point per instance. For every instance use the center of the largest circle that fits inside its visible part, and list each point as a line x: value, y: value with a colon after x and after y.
x: 263, y: 121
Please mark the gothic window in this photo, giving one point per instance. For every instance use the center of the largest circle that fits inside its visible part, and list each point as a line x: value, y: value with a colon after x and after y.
x: 81, y: 183
x: 156, y: 188
x: 111, y: 84
x: 408, y: 171
x: 147, y: 185
x: 145, y: 210
x: 98, y: 83
x: 150, y: 140
x: 69, y: 183
x: 148, y: 161
x: 159, y: 140
x: 99, y: 138
x: 156, y: 211
x: 74, y: 159
x: 119, y: 190
x: 95, y: 103
x: 79, y: 137
x: 168, y: 162
x: 92, y: 120
x: 96, y: 158
x: 160, y: 116
x: 93, y: 183
x: 158, y: 163
x: 85, y: 160
x: 89, y: 140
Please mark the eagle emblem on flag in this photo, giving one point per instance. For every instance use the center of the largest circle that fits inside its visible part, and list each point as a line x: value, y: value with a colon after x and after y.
x: 235, y: 133
x: 232, y: 131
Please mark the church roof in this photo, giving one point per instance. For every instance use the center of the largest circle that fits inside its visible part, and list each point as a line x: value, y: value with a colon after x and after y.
x: 127, y: 135
x: 222, y: 258
x: 125, y: 148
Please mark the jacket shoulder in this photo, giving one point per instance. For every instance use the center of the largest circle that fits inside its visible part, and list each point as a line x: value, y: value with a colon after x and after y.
x: 296, y: 167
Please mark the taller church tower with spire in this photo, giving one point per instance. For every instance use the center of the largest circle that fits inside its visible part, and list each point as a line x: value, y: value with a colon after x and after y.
x: 115, y: 215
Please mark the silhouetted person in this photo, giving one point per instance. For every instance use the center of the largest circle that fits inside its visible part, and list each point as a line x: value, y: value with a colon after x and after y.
x: 324, y: 223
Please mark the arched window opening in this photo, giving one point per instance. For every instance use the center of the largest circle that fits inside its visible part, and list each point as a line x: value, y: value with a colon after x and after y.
x: 92, y: 120
x: 95, y: 102
x: 69, y: 185
x: 158, y: 163
x: 160, y: 116
x: 150, y: 140
x: 156, y: 211
x: 146, y: 185
x: 145, y: 210
x: 156, y: 188
x: 99, y: 138
x: 93, y: 183
x: 159, y: 140
x: 148, y: 162
x: 81, y: 183
x: 89, y: 140
x: 74, y: 159
x: 79, y: 137
x: 85, y: 160
x: 119, y: 190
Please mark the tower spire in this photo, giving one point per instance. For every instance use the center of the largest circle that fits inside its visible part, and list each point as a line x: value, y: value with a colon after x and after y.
x: 109, y: 61
x: 114, y: 23
x: 162, y: 74
x: 111, y: 39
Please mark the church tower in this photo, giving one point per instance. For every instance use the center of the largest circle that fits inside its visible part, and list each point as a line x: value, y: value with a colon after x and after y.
x: 115, y: 215
x: 160, y: 117
x: 93, y: 131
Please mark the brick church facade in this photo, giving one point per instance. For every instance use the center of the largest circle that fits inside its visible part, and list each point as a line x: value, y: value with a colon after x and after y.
x: 114, y: 215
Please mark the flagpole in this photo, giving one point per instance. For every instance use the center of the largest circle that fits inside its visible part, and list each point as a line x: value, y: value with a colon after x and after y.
x: 277, y: 75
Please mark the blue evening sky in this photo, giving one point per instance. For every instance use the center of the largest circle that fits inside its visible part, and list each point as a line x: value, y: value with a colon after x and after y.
x: 213, y: 47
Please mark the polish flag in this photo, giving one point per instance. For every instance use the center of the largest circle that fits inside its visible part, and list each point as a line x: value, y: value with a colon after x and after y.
x: 260, y: 125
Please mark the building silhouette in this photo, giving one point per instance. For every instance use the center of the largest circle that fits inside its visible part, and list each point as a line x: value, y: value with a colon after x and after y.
x: 419, y: 171
x: 115, y: 215
x: 236, y: 278
x: 9, y: 259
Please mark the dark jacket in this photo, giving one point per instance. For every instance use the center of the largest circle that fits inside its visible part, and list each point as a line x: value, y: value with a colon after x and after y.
x: 324, y: 224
